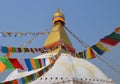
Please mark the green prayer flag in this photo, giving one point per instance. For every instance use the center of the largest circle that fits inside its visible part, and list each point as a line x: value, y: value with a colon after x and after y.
x: 29, y: 78
x: 114, y: 36
x: 11, y: 82
x: 36, y: 76
x: 37, y: 63
x: 25, y: 49
x: 7, y: 63
x: 14, y: 50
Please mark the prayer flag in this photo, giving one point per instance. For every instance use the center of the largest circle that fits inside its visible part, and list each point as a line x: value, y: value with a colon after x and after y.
x: 9, y: 49
x: 29, y: 65
x: 16, y: 63
x: 19, y: 34
x: 29, y: 78
x: 32, y: 50
x: 98, y: 50
x: 108, y: 47
x: 14, y: 50
x: 81, y: 55
x: 6, y: 62
x: 90, y: 53
x: 114, y: 36
x: 23, y: 80
x: 26, y: 79
x: 19, y: 50
x: 37, y: 63
x: 36, y: 49
x: 109, y: 41
x: 39, y: 60
x: 15, y: 82
x: 25, y: 49
x: 22, y: 49
x: 33, y: 64
x: 32, y: 76
x: 99, y: 45
x: 2, y: 67
x: 28, y: 50
x: 4, y: 49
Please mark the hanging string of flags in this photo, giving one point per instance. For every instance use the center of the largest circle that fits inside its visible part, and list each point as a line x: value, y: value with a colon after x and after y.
x: 107, y: 43
x: 104, y: 45
x: 7, y: 49
x: 24, y: 64
x: 45, y: 49
x: 86, y: 54
x: 29, y: 78
x: 20, y: 34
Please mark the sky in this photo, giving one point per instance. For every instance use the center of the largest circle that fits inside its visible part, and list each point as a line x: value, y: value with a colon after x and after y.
x: 90, y: 20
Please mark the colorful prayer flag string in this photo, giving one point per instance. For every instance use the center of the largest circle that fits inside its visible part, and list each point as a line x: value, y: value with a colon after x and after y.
x: 24, y: 64
x: 20, y: 34
x: 104, y: 45
x: 34, y: 76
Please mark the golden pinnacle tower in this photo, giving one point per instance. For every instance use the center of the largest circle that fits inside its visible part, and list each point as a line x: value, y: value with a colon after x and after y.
x: 58, y: 34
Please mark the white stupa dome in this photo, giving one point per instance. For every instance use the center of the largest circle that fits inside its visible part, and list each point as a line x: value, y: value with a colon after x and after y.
x: 68, y: 67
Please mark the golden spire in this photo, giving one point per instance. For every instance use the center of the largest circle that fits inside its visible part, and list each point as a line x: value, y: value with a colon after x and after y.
x: 58, y: 13
x: 58, y: 34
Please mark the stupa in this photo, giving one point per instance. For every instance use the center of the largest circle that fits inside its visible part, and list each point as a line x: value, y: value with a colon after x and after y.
x: 67, y: 69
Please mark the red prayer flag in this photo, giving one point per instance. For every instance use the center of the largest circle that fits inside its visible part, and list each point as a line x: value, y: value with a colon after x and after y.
x: 15, y: 82
x: 28, y: 50
x: 8, y: 82
x: 16, y: 63
x: 39, y: 60
x: 109, y: 41
x: 92, y: 53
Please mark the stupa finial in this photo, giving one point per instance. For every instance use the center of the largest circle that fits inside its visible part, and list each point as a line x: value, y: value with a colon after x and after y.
x: 58, y: 13
x: 58, y: 16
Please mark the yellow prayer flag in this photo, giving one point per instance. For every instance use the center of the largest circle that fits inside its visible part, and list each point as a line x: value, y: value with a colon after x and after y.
x: 99, y: 45
x: 2, y: 67
x: 26, y: 80
x: 89, y: 53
